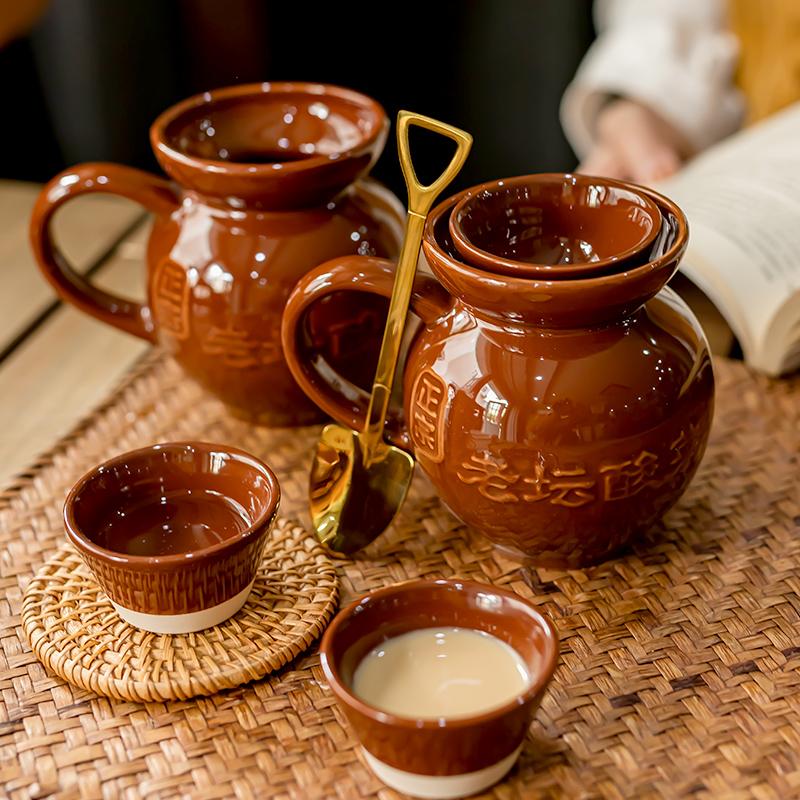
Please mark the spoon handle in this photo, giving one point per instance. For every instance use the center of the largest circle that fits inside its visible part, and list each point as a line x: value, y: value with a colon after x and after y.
x: 420, y: 200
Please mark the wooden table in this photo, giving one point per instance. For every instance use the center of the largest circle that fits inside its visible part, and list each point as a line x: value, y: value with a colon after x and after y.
x: 56, y: 363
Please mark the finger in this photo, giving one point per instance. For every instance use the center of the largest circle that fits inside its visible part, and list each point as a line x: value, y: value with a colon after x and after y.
x: 641, y: 142
x: 603, y: 163
x: 660, y: 163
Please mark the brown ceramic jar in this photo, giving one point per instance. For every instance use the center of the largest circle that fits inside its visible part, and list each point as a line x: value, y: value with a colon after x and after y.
x: 267, y: 181
x: 559, y: 418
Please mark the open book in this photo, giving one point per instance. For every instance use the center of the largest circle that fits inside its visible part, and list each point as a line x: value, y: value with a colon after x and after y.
x: 742, y: 199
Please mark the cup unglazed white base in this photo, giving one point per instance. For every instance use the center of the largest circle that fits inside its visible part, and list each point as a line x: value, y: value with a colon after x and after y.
x: 185, y: 623
x: 441, y: 787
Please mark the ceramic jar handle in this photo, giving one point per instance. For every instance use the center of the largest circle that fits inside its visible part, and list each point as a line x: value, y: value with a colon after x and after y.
x: 336, y: 396
x: 155, y: 194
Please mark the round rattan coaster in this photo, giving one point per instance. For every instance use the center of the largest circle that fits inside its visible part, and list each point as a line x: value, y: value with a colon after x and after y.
x: 76, y: 633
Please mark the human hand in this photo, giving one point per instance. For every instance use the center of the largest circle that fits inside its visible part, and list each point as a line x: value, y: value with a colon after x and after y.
x: 633, y: 144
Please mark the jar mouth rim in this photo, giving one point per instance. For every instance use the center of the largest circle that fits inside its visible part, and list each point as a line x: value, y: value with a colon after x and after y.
x: 166, y: 151
x: 436, y: 241
x: 602, y: 224
x: 555, y: 302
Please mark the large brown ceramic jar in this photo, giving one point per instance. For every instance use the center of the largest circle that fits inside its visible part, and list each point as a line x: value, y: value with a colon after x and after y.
x: 560, y: 418
x: 267, y: 181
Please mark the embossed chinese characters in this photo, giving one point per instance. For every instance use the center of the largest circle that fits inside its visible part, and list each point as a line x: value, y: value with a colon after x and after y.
x: 428, y: 401
x: 268, y: 182
x: 508, y: 477
x: 558, y: 417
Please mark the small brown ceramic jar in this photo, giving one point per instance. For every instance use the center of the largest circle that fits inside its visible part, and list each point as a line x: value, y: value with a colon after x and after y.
x: 267, y: 181
x: 560, y: 418
x: 442, y: 757
x: 174, y: 533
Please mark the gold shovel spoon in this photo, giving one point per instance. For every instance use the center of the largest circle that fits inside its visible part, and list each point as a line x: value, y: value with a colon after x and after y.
x: 358, y: 481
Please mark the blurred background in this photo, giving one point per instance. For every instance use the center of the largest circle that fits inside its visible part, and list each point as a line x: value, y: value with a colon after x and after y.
x: 83, y: 79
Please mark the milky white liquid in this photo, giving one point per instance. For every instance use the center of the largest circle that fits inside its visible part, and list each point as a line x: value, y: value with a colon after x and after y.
x: 441, y: 672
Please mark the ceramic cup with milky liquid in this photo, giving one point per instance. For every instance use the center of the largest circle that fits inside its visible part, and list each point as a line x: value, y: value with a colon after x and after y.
x: 174, y: 533
x: 437, y: 748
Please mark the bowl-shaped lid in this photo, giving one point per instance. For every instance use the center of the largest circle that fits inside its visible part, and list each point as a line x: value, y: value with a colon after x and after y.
x: 555, y: 226
x: 547, y: 301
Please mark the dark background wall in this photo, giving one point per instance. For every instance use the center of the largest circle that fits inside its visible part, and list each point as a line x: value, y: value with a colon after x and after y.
x: 93, y: 74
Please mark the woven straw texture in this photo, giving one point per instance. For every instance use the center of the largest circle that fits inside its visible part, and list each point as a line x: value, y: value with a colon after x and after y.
x: 76, y: 633
x: 680, y: 669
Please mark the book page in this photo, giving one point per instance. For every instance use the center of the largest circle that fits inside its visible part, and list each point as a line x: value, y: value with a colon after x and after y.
x: 742, y: 199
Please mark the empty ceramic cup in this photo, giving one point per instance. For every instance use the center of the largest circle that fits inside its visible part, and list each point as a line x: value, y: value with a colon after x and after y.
x: 174, y: 533
x: 555, y: 226
x: 402, y: 662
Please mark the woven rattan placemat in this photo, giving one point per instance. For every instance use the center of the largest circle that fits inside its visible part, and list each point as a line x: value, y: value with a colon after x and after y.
x: 78, y: 635
x: 679, y: 672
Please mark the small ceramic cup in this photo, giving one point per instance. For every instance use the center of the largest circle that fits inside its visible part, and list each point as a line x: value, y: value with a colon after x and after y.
x: 555, y: 226
x: 174, y: 533
x: 444, y: 757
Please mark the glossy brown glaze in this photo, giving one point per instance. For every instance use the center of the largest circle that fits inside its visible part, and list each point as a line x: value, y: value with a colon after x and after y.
x: 559, y: 418
x: 200, y: 569
x: 268, y: 181
x: 439, y: 747
x: 173, y: 521
x: 554, y: 226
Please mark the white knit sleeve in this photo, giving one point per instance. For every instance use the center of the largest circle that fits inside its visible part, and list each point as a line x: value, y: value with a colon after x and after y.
x: 675, y: 56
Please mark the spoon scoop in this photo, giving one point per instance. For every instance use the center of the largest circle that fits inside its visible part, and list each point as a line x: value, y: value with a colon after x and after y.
x: 358, y: 482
